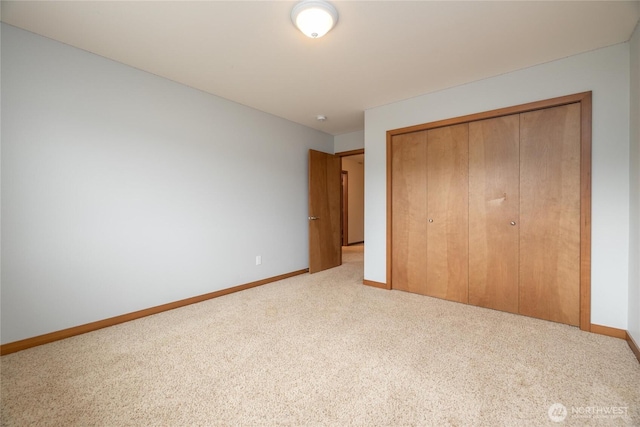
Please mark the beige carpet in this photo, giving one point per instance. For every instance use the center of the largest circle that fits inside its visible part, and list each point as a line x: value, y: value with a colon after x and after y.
x: 321, y: 350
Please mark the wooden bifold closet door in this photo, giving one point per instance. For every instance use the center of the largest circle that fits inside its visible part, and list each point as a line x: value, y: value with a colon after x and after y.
x: 447, y: 222
x: 550, y: 214
x: 429, y: 212
x: 409, y: 217
x: 494, y: 210
x: 488, y: 212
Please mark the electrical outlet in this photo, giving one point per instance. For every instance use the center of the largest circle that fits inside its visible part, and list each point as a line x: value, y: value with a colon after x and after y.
x: 258, y: 259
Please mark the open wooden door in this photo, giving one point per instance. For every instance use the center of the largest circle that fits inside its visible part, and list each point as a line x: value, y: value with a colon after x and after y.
x: 325, y: 249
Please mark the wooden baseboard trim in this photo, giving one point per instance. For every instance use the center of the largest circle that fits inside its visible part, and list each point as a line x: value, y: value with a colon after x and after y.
x: 375, y: 284
x: 634, y: 346
x: 355, y: 243
x: 608, y: 331
x: 93, y: 326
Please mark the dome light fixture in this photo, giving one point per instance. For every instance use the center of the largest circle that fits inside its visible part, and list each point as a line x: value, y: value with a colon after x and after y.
x: 314, y: 18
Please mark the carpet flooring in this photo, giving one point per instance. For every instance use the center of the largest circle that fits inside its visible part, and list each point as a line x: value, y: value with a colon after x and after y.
x: 324, y: 350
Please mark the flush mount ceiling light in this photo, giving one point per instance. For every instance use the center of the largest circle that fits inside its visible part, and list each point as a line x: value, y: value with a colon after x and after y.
x: 314, y: 17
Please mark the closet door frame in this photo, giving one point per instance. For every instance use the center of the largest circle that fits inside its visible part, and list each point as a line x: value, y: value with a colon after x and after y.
x: 584, y: 99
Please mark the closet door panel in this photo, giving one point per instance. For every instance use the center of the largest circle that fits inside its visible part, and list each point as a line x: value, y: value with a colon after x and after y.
x: 550, y: 214
x: 409, y: 216
x: 494, y: 204
x: 448, y: 209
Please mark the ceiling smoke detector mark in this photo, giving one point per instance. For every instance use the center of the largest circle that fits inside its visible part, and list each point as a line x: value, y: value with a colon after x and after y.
x: 321, y: 118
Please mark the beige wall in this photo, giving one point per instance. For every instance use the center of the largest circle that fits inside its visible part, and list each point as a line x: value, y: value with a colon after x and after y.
x: 355, y: 198
x: 606, y: 72
x: 116, y: 189
x: 348, y: 141
x: 634, y: 190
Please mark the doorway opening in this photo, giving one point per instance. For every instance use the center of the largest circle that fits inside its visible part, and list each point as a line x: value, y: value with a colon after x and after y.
x: 352, y: 200
x: 344, y: 211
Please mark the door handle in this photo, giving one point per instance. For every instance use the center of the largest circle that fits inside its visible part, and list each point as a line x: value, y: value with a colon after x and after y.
x: 313, y: 218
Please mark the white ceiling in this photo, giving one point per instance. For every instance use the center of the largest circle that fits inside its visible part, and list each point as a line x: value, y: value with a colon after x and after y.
x: 380, y: 51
